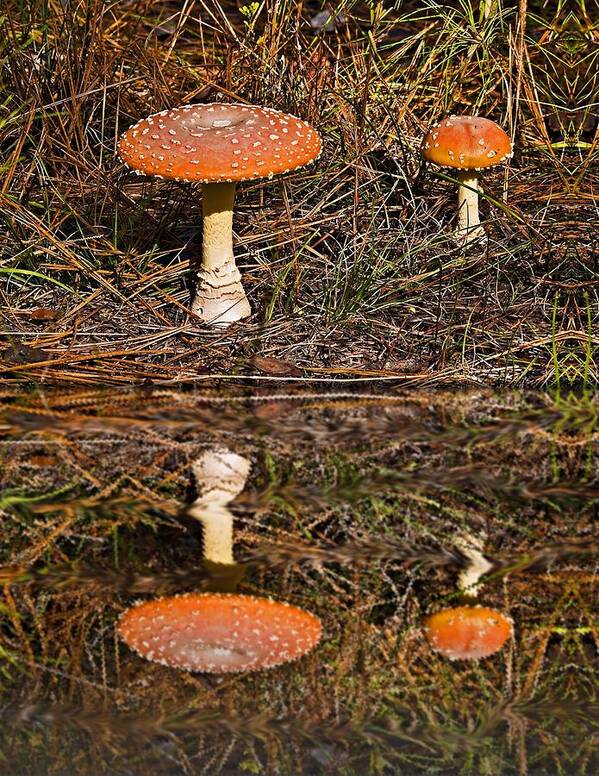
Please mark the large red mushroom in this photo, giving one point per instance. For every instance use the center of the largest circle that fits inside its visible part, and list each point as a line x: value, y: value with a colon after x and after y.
x: 218, y: 145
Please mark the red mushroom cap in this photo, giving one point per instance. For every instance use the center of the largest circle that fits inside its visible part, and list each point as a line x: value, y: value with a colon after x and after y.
x: 219, y: 633
x: 218, y: 142
x: 466, y: 143
x: 467, y: 632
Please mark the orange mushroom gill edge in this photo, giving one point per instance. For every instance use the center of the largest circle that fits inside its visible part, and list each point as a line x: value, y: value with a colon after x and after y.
x: 468, y: 632
x: 219, y: 633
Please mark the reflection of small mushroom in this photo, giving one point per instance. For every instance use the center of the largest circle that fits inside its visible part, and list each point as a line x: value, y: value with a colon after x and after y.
x: 467, y: 632
x: 472, y: 548
x: 218, y: 145
x: 468, y: 144
x: 219, y: 633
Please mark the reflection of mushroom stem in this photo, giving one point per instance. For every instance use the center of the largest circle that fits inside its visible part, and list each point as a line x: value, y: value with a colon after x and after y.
x: 469, y: 227
x: 217, y: 530
x: 471, y: 547
x: 220, y: 297
x: 220, y: 476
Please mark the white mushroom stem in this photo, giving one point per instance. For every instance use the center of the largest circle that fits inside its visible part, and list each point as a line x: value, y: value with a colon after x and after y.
x: 471, y: 546
x: 469, y: 227
x: 217, y: 529
x: 220, y: 298
x: 220, y: 476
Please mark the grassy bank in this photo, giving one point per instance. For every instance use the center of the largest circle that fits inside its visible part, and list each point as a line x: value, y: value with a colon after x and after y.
x: 350, y: 265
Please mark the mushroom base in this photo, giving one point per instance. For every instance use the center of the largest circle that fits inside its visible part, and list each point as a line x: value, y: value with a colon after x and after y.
x: 475, y: 234
x: 470, y: 236
x: 220, y: 298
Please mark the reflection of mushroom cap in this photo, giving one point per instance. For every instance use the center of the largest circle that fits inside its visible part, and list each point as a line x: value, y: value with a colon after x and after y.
x: 219, y: 633
x: 467, y: 632
x: 466, y: 143
x: 218, y: 142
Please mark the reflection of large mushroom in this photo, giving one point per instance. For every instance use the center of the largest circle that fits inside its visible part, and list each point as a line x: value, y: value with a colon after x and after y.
x: 219, y: 145
x: 467, y: 144
x: 218, y: 632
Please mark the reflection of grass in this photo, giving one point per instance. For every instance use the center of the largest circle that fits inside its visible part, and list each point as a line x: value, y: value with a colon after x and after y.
x: 12, y: 498
x: 373, y: 697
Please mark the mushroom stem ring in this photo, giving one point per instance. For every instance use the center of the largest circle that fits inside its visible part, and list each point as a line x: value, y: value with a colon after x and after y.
x: 220, y: 297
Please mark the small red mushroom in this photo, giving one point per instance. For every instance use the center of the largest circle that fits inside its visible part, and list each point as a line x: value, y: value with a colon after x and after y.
x: 467, y: 632
x: 468, y: 144
x: 218, y: 145
x: 219, y: 633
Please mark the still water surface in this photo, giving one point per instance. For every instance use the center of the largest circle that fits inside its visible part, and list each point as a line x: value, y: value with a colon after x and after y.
x: 361, y: 516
